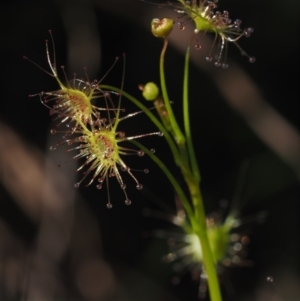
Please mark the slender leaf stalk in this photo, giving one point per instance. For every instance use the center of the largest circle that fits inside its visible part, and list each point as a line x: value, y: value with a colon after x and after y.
x: 186, y: 118
x: 179, y: 137
x: 191, y: 174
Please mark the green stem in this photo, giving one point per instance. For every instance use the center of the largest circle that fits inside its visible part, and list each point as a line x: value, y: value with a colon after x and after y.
x: 200, y: 229
x: 185, y: 158
x: 179, y: 137
x: 186, y: 118
x: 192, y: 178
x: 176, y: 132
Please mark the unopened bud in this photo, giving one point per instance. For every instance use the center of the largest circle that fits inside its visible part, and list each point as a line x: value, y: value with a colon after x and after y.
x: 150, y: 91
x: 161, y: 28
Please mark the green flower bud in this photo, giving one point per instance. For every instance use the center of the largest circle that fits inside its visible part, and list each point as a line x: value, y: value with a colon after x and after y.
x: 150, y: 91
x: 161, y: 28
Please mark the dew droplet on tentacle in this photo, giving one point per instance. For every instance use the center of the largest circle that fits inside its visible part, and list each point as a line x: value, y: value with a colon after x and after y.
x: 121, y: 134
x: 139, y: 186
x: 197, y: 46
x: 238, y: 22
x: 140, y: 153
x: 127, y: 202
x: 109, y: 205
x: 248, y: 32
x: 252, y: 59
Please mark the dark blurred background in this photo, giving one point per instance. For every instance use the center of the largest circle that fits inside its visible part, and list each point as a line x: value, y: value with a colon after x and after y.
x: 58, y: 243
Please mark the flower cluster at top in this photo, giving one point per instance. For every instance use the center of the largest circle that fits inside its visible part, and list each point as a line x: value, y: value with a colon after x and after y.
x: 91, y: 129
x: 206, y: 18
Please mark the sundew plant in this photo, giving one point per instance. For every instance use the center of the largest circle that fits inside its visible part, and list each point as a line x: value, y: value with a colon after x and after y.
x: 93, y: 136
x: 93, y: 121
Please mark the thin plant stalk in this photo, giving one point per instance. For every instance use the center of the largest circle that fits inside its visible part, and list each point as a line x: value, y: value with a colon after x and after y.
x: 192, y: 176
